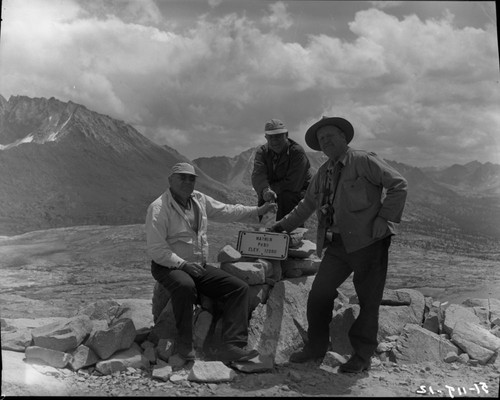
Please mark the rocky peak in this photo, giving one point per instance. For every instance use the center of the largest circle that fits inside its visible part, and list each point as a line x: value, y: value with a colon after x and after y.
x: 473, y: 176
x: 235, y: 171
x: 3, y: 103
x: 38, y: 120
x: 41, y: 120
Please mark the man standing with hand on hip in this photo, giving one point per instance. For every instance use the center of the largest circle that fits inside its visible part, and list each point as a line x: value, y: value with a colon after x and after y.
x: 357, y: 198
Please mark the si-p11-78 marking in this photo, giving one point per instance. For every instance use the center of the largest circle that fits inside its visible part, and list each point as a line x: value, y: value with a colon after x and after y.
x: 478, y: 388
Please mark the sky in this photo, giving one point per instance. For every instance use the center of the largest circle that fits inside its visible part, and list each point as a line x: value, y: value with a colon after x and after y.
x: 419, y: 81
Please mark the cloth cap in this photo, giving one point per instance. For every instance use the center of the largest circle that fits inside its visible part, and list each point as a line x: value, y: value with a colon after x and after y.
x: 341, y: 123
x: 183, y: 168
x: 275, y: 127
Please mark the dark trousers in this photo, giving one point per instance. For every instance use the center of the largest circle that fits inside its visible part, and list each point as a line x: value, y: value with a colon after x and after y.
x: 370, y: 270
x: 215, y: 283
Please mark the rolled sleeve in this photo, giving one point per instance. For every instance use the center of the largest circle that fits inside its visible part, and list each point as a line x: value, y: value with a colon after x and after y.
x: 222, y: 212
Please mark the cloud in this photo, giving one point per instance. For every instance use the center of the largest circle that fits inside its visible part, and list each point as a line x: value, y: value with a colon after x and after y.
x: 385, y: 4
x: 142, y: 12
x: 214, y: 3
x: 279, y: 17
x: 415, y: 90
x: 447, y: 80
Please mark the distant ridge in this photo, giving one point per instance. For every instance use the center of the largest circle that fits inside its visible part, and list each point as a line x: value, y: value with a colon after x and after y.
x: 235, y: 172
x: 473, y: 177
x: 456, y: 203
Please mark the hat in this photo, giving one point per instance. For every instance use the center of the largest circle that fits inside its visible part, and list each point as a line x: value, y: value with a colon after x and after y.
x: 183, y: 168
x: 341, y: 123
x: 274, y: 127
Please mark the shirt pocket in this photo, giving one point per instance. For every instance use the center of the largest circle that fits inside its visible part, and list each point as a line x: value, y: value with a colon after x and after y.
x: 356, y: 194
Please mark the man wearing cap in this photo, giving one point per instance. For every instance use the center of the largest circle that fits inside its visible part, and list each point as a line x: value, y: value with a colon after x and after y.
x: 176, y: 236
x: 281, y: 170
x: 357, y: 198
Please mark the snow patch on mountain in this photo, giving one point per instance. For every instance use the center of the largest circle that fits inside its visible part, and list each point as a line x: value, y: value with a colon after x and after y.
x: 34, y: 138
x: 27, y: 139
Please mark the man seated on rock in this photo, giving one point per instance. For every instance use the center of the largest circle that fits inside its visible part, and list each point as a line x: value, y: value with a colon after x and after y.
x: 176, y: 235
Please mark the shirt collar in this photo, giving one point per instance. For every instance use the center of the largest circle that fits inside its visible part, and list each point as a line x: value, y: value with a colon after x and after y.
x: 190, y: 198
x: 342, y: 161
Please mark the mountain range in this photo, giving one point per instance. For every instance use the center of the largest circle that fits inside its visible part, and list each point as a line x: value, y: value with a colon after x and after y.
x: 64, y: 165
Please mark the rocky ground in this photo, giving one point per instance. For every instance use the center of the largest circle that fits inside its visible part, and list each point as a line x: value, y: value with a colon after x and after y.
x: 53, y: 273
x: 385, y: 379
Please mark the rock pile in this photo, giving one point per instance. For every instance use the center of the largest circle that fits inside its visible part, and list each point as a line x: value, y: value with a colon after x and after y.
x: 260, y: 274
x: 109, y: 336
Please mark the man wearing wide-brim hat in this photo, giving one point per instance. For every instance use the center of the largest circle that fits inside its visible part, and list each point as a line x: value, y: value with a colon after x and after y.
x: 355, y: 226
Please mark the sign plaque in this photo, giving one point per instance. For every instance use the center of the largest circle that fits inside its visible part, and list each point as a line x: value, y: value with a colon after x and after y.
x: 263, y: 245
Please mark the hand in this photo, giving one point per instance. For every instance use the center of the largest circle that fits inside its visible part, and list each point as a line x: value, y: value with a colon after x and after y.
x: 269, y: 195
x: 193, y: 269
x: 379, y: 227
x: 275, y: 228
x: 273, y: 207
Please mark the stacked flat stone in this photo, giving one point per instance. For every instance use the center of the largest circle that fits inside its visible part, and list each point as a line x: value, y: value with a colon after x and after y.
x: 301, y: 259
x: 260, y: 274
x: 80, y: 342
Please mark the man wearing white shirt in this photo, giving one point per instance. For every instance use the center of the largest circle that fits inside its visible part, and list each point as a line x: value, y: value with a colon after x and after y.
x: 176, y: 235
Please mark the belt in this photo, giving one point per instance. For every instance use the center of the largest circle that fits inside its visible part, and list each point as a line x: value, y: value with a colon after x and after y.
x: 333, y: 236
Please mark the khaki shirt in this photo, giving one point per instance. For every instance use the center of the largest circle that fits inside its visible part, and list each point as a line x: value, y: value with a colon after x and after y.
x: 368, y: 187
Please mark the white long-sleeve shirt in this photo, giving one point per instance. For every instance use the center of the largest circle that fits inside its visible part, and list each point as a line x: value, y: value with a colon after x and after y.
x: 170, y: 238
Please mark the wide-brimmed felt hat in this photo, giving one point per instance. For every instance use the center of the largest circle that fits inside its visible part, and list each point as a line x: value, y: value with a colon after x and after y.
x: 341, y: 123
x: 275, y: 127
x: 183, y: 168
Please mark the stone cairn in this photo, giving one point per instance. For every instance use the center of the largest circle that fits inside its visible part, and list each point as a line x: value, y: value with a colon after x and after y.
x: 109, y: 337
x: 259, y: 273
